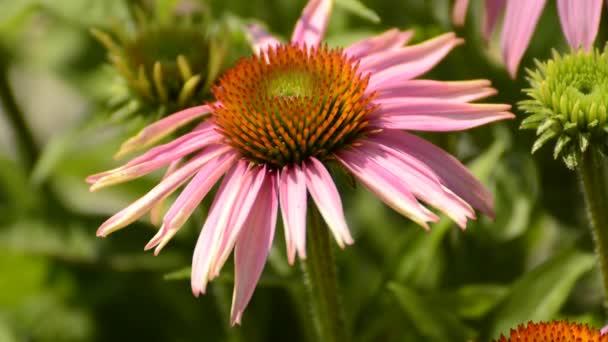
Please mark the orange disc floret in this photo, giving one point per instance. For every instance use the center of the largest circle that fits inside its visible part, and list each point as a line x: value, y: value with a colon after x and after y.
x: 556, y: 331
x: 292, y: 102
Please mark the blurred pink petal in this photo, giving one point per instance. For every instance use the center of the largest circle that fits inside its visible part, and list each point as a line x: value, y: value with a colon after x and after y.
x: 252, y: 248
x: 459, y: 12
x: 580, y: 20
x: 492, y: 12
x: 327, y: 198
x: 387, y: 41
x: 312, y: 24
x: 292, y: 196
x: 521, y: 17
x: 260, y: 39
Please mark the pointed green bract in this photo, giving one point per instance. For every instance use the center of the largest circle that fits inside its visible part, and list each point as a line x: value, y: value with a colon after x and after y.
x: 569, y: 102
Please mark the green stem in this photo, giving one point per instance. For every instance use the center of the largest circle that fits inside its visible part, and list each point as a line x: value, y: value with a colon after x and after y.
x: 25, y: 141
x: 593, y: 178
x: 319, y: 272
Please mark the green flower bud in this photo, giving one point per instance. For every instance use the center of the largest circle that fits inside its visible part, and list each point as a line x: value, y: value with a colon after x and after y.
x: 568, y: 101
x: 164, y: 62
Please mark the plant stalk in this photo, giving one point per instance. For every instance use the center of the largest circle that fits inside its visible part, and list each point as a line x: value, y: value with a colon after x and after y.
x: 592, y: 172
x: 319, y: 272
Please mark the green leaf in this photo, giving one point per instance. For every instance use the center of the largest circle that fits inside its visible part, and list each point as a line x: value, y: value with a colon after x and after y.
x: 357, y: 8
x: 181, y: 274
x: 430, y: 320
x: 539, y: 294
x: 471, y: 301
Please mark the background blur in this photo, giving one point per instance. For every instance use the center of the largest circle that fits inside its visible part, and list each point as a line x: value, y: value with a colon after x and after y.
x: 58, y: 282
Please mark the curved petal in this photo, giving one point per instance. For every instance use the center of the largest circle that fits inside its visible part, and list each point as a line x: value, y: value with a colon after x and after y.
x: 458, y: 91
x: 459, y: 12
x: 407, y: 63
x: 312, y: 24
x: 259, y: 39
x: 211, y: 235
x: 580, y: 21
x: 252, y: 247
x: 387, y: 41
x: 161, y: 128
x: 327, y: 198
x: 491, y: 14
x: 156, y: 212
x: 190, y: 198
x: 292, y: 197
x: 452, y: 173
x: 160, y: 191
x: 521, y: 17
x: 435, y: 115
x: 386, y: 186
x: 423, y: 185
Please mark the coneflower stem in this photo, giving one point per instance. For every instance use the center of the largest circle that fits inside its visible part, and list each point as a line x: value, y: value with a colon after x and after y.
x: 26, y: 144
x: 593, y: 178
x: 319, y: 272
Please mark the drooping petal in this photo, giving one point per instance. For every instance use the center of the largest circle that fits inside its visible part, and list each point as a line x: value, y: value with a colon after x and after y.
x: 436, y: 115
x: 386, y: 186
x: 521, y: 17
x: 423, y: 185
x: 580, y: 21
x: 252, y: 247
x: 130, y: 172
x: 408, y: 62
x: 292, y: 197
x: 459, y: 91
x: 254, y: 179
x: 459, y: 12
x: 156, y: 212
x: 312, y: 24
x: 211, y: 235
x: 259, y: 39
x: 327, y: 199
x: 452, y: 173
x: 191, y: 197
x: 160, y: 191
x: 492, y: 11
x: 161, y: 128
x: 387, y: 41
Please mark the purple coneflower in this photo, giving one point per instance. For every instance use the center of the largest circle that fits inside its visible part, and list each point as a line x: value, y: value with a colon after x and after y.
x: 279, y: 117
x: 579, y: 19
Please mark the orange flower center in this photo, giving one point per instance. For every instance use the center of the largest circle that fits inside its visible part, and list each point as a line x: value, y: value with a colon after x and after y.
x: 291, y: 103
x: 557, y: 331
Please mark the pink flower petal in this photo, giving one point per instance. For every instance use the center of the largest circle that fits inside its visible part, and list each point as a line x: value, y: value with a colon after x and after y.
x: 452, y: 173
x: 387, y: 41
x: 191, y: 197
x: 260, y: 39
x: 252, y: 248
x: 312, y: 24
x: 521, y: 17
x: 156, y: 212
x: 458, y: 91
x: 580, y: 20
x: 160, y: 191
x: 292, y: 197
x: 222, y: 209
x: 327, y: 198
x: 459, y: 13
x: 435, y: 115
x: 423, y: 185
x: 252, y: 184
x: 491, y: 15
x: 408, y: 62
x: 130, y: 172
x: 386, y: 186
x: 161, y: 128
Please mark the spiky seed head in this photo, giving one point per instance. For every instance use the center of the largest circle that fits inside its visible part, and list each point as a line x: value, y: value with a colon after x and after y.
x: 553, y: 331
x: 292, y: 102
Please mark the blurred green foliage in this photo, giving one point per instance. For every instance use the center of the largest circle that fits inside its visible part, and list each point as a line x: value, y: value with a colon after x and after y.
x: 399, y: 283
